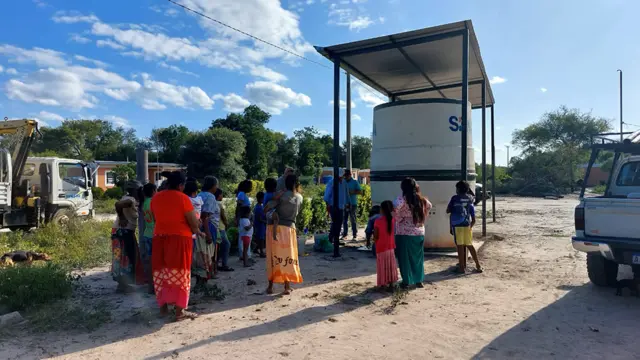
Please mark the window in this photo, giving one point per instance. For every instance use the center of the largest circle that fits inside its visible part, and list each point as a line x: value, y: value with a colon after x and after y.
x: 29, y: 169
x: 629, y: 174
x: 111, y: 178
x: 72, y: 176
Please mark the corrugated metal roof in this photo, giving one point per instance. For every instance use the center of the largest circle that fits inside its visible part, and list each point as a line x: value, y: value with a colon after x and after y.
x: 407, y: 66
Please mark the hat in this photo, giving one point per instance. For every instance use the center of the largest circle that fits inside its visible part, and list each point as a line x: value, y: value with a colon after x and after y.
x: 133, y: 185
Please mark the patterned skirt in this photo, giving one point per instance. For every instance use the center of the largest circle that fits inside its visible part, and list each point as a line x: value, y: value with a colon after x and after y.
x: 125, y: 257
x: 386, y: 268
x: 171, y: 266
x: 282, y: 256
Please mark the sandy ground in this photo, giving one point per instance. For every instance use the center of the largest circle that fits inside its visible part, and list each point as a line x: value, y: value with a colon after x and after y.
x: 533, y: 302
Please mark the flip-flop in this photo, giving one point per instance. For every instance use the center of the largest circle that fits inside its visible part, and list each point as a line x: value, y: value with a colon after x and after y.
x: 478, y: 270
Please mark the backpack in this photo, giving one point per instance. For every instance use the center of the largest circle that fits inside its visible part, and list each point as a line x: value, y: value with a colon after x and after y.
x: 460, y: 214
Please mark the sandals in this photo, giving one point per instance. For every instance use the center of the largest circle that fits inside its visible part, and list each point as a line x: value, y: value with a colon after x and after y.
x: 225, y: 268
x: 186, y: 315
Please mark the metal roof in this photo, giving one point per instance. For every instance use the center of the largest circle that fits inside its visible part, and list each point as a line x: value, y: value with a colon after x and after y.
x: 418, y: 64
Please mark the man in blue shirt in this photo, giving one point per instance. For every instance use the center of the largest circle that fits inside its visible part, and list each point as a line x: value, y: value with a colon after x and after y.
x: 336, y: 218
x: 353, y: 189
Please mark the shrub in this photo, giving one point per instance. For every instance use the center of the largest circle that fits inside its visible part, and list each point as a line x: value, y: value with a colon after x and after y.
x: 304, y: 216
x: 232, y: 235
x: 599, y: 189
x: 97, y: 192
x: 105, y: 206
x: 313, y: 191
x: 115, y: 192
x: 22, y: 287
x: 364, y: 204
x: 319, y: 217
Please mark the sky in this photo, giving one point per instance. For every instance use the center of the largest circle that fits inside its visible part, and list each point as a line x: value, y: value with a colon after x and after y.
x: 147, y: 63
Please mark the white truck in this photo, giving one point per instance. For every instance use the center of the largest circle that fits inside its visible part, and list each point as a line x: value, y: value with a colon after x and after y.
x: 608, y: 226
x: 36, y: 190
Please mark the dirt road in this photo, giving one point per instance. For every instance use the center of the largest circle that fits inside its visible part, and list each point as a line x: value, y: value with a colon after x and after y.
x: 533, y: 302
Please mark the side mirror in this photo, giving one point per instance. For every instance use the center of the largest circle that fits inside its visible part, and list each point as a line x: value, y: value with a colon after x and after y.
x: 90, y: 183
x: 87, y: 193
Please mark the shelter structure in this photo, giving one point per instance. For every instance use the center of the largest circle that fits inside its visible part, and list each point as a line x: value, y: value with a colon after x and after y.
x: 437, y: 62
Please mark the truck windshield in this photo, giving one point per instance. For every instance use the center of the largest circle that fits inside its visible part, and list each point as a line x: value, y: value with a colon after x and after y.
x: 629, y: 174
x: 72, y: 177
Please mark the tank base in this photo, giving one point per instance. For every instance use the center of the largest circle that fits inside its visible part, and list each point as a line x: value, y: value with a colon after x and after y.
x: 440, y: 250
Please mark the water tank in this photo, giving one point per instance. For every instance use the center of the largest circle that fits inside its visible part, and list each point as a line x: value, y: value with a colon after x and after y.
x: 421, y: 139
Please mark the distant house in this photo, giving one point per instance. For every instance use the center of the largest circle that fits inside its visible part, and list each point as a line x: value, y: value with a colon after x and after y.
x: 597, y: 176
x: 105, y: 178
x: 362, y: 175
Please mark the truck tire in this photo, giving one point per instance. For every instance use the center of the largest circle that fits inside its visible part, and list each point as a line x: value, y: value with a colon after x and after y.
x: 602, y: 272
x: 61, y: 217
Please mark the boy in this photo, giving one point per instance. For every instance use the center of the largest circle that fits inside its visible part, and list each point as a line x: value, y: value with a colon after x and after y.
x: 260, y: 221
x: 374, y: 213
x: 463, y: 218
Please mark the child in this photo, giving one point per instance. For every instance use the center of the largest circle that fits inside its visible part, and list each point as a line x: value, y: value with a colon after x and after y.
x: 191, y: 190
x: 245, y: 230
x: 261, y: 224
x: 374, y: 213
x: 148, y: 190
x: 383, y: 237
x: 463, y: 218
x: 242, y: 199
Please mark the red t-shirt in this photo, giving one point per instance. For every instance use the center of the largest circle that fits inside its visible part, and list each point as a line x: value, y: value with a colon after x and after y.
x: 169, y: 208
x: 386, y: 240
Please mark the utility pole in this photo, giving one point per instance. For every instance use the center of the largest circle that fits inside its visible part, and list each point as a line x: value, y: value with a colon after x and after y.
x: 348, y: 162
x: 507, y: 146
x: 621, y: 122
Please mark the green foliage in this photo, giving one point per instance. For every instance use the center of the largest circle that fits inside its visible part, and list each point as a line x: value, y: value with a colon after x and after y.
x: 320, y: 218
x: 304, y: 216
x: 97, y: 192
x: 360, y: 152
x: 79, y: 244
x: 124, y: 173
x: 105, y: 206
x: 232, y: 235
x: 61, y: 316
x: 313, y: 150
x: 364, y: 204
x: 22, y: 287
x: 599, y: 189
x: 115, y: 192
x: 170, y: 142
x: 221, y: 152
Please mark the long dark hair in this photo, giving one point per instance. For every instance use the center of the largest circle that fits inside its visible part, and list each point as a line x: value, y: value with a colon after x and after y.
x: 386, y: 209
x: 414, y: 199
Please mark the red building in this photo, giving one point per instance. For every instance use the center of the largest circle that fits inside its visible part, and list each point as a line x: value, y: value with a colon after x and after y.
x: 105, y: 178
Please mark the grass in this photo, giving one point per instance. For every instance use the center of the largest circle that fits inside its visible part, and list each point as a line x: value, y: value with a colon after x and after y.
x: 24, y: 287
x: 61, y: 316
x: 104, y: 206
x: 79, y: 244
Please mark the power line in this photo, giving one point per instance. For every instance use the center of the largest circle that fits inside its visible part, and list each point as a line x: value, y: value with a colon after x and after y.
x: 634, y: 125
x: 291, y: 52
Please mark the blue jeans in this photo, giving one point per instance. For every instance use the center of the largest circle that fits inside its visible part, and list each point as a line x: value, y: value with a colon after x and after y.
x: 350, y: 213
x: 225, y: 247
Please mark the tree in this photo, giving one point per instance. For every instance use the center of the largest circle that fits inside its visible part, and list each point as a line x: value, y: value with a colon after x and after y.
x: 124, y: 173
x: 260, y: 142
x: 286, y: 153
x: 170, y: 141
x: 564, y: 132
x: 218, y: 152
x: 312, y: 150
x: 361, y: 152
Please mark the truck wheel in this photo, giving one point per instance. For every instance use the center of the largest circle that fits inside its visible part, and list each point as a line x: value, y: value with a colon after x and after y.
x: 61, y: 217
x: 602, y: 272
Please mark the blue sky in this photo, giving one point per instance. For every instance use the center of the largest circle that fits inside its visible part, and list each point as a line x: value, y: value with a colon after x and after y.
x: 147, y: 63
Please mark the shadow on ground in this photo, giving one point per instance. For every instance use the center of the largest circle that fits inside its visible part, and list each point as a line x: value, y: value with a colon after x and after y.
x: 606, y: 325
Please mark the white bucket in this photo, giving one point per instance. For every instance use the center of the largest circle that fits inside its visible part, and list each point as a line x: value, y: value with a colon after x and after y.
x: 302, y: 241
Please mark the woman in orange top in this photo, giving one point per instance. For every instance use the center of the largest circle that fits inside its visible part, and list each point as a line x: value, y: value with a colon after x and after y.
x: 176, y: 221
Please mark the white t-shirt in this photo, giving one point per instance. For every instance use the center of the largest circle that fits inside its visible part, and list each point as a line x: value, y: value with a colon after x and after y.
x: 244, y: 222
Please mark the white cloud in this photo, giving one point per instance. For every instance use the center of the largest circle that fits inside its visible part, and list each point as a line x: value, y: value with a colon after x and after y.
x: 72, y: 17
x: 232, y: 102
x: 38, y: 56
x: 12, y: 71
x: 352, y: 17
x: 97, y: 63
x: 169, y: 10
x: 41, y: 123
x: 367, y: 95
x: 40, y: 3
x: 79, y: 39
x: 111, y: 44
x: 497, y: 80
x: 118, y: 121
x: 176, y: 69
x: 275, y: 98
x: 267, y: 74
x: 310, y: 2
x: 157, y: 92
x: 356, y: 117
x: 1, y: 69
x: 343, y: 104
x: 50, y: 116
x: 543, y: 90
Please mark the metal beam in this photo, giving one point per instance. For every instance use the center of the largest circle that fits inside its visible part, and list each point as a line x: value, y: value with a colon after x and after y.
x: 352, y: 70
x: 493, y: 167
x: 435, y: 88
x: 415, y: 66
x: 403, y: 43
x: 335, y: 209
x: 465, y: 101
x: 348, y: 162
x: 484, y: 159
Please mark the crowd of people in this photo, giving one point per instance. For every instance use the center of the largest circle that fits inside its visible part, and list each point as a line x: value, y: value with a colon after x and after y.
x: 184, y: 233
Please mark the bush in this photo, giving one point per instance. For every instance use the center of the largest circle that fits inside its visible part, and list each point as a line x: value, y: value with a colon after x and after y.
x: 599, y: 189
x: 304, y: 216
x: 22, y: 287
x: 313, y: 191
x: 232, y: 235
x: 115, y: 192
x: 319, y: 218
x: 98, y: 193
x: 364, y: 204
x: 78, y: 244
x: 105, y: 206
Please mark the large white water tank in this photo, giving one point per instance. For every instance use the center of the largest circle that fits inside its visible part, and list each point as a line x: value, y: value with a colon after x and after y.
x: 421, y: 139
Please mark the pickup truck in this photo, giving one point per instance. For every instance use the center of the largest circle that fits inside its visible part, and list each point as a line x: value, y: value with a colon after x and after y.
x: 607, y: 227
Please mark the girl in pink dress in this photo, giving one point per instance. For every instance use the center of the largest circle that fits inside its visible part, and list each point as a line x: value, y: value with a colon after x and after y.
x: 383, y: 237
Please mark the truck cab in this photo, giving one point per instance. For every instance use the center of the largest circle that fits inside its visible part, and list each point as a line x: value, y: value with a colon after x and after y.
x: 608, y: 226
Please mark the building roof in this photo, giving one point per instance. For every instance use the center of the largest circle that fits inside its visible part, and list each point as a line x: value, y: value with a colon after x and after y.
x: 418, y: 64
x: 151, y: 164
